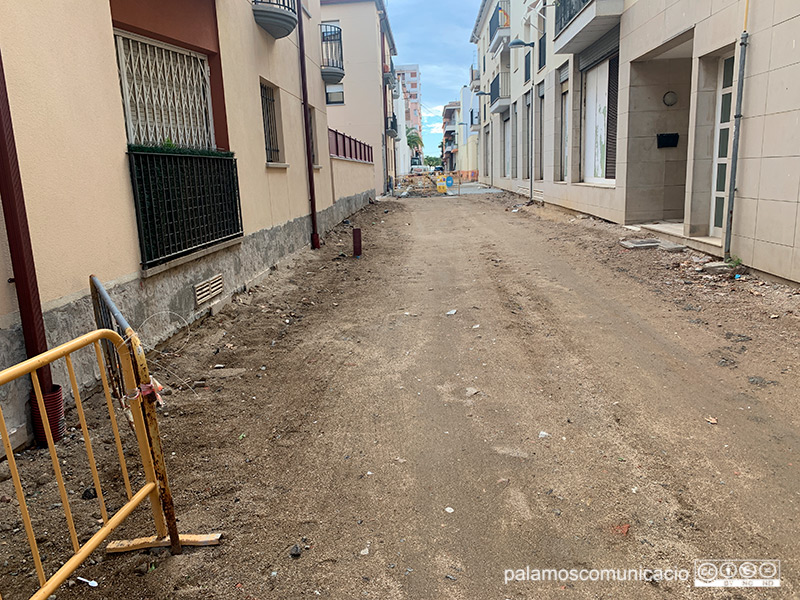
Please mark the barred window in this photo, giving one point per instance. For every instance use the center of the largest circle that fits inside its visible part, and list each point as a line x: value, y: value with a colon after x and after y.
x: 166, y: 93
x: 269, y: 112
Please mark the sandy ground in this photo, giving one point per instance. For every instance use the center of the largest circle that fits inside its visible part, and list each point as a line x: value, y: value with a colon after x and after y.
x: 559, y: 419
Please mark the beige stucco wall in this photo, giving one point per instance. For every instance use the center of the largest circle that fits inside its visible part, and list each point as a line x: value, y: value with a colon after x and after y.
x: 351, y: 177
x: 70, y: 135
x: 361, y: 116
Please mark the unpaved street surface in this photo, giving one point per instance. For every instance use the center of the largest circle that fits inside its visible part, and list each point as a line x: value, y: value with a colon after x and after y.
x: 559, y: 419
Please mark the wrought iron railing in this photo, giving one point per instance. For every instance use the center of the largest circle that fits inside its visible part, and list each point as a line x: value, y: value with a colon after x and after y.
x: 344, y: 146
x: 332, y: 55
x: 566, y: 10
x: 391, y: 124
x: 290, y: 5
x: 501, y: 87
x: 542, y: 47
x: 184, y: 202
x: 500, y: 18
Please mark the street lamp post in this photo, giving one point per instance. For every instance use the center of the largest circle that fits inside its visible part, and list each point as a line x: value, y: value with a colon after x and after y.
x: 491, y: 169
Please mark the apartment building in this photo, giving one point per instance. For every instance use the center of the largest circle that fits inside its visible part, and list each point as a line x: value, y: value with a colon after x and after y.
x: 626, y: 109
x: 162, y: 147
x: 469, y: 128
x: 363, y: 102
x: 410, y: 75
x: 403, y: 154
x: 451, y: 117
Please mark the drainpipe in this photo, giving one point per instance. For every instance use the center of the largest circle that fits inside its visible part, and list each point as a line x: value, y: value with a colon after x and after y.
x: 736, y: 134
x: 307, y: 128
x: 19, y: 240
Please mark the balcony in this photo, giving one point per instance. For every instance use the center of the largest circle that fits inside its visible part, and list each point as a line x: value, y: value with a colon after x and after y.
x: 185, y: 201
x: 500, y: 93
x: 580, y: 23
x: 391, y: 126
x: 500, y: 26
x: 277, y: 17
x: 389, y: 74
x: 474, y: 119
x: 475, y: 80
x: 449, y: 126
x: 332, y: 57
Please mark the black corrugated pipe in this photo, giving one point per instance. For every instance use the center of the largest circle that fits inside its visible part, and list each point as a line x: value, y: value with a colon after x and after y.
x: 307, y: 127
x: 737, y: 132
x: 19, y: 240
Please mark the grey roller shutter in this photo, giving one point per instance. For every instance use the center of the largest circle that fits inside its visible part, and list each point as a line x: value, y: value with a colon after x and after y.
x: 540, y: 90
x: 606, y: 46
x: 563, y: 73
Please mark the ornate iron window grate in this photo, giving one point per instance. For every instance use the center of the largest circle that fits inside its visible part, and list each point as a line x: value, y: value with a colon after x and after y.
x: 166, y: 93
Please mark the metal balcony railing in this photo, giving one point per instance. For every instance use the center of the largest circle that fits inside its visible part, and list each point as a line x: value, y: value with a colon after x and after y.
x: 500, y: 18
x: 332, y: 55
x: 344, y: 146
x: 184, y: 202
x: 290, y: 5
x: 391, y: 126
x: 566, y: 10
x: 501, y: 87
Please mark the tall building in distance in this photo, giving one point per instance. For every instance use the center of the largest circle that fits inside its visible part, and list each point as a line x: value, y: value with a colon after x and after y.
x: 409, y: 74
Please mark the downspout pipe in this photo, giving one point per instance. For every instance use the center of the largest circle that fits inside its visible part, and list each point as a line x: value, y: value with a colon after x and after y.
x: 737, y: 132
x: 19, y: 240
x: 312, y: 191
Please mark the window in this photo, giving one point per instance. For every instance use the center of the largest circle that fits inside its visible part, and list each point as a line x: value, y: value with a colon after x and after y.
x: 540, y: 133
x: 334, y: 93
x: 486, y: 151
x: 600, y: 122
x: 269, y: 112
x: 313, y: 118
x: 514, y: 138
x: 166, y: 93
x: 506, y: 148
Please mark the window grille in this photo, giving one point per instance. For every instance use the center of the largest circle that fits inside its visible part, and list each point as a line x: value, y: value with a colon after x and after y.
x: 166, y: 94
x: 270, y: 114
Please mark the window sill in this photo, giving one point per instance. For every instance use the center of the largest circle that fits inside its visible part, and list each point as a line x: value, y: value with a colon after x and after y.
x: 189, y: 258
x: 317, y: 167
x: 273, y: 165
x: 608, y: 186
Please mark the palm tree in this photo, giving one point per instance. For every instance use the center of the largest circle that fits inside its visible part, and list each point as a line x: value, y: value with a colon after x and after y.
x: 413, y: 138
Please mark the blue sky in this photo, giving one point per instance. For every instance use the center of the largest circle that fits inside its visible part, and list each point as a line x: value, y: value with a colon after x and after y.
x: 435, y: 34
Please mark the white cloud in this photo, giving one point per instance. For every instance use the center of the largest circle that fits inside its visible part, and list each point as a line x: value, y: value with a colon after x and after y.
x: 432, y: 111
x: 434, y: 128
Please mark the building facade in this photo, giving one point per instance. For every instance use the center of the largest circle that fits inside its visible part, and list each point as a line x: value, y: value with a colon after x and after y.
x: 451, y: 117
x: 410, y: 75
x: 626, y: 109
x: 167, y: 155
x: 362, y: 104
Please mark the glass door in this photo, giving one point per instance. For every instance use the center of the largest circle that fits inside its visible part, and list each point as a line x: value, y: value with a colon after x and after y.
x: 722, y: 146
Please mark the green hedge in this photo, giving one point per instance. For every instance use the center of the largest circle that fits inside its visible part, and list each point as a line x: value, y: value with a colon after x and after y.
x: 172, y: 149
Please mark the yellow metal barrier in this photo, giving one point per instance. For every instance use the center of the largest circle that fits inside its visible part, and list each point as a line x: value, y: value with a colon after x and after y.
x: 140, y: 401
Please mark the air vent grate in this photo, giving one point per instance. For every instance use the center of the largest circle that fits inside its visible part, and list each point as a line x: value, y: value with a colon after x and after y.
x: 208, y: 289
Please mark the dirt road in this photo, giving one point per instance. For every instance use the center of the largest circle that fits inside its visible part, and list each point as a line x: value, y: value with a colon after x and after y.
x: 557, y: 420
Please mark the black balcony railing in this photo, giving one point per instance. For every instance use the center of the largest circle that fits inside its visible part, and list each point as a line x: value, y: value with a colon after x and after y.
x: 290, y: 5
x: 184, y: 202
x: 332, y: 55
x: 566, y: 10
x: 500, y: 18
x: 391, y: 125
x: 501, y: 87
x: 542, y: 51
